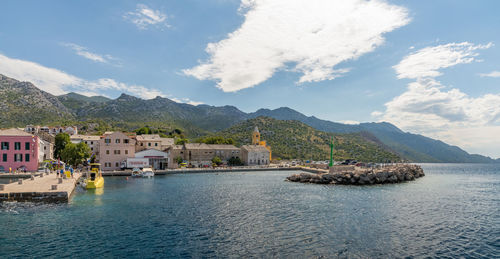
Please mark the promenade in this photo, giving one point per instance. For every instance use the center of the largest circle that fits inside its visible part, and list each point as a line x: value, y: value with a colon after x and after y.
x: 47, y: 188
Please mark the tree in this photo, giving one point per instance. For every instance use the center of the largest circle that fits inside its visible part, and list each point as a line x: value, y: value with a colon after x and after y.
x: 143, y: 130
x: 234, y: 161
x: 61, y: 140
x: 181, y: 141
x: 216, y: 160
x: 75, y: 154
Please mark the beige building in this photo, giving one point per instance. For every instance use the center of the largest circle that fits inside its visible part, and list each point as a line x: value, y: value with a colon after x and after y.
x: 114, y: 149
x: 225, y: 152
x: 91, y: 141
x: 153, y: 141
x: 255, y: 155
x: 201, y: 154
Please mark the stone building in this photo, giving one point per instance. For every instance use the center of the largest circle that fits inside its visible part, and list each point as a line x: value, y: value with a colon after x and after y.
x: 255, y: 155
x: 225, y: 152
x: 256, y: 141
x: 201, y: 154
x: 153, y: 141
x: 114, y: 149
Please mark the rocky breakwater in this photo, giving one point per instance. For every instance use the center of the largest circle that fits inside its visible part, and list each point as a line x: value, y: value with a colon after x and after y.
x: 362, y: 176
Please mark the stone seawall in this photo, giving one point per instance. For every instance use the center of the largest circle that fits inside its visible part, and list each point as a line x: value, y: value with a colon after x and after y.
x: 390, y: 174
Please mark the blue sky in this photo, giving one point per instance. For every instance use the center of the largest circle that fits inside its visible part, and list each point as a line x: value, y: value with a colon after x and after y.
x: 336, y: 60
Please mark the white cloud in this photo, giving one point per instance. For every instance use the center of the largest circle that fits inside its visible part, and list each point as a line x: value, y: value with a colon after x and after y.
x: 58, y: 82
x: 491, y: 74
x: 143, y: 17
x: 84, y: 52
x: 48, y: 79
x: 427, y: 62
x: 432, y: 109
x: 350, y: 122
x: 185, y: 100
x: 314, y: 35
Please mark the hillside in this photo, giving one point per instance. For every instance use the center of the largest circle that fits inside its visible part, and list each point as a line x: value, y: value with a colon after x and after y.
x: 23, y: 103
x: 412, y: 147
x: 293, y: 139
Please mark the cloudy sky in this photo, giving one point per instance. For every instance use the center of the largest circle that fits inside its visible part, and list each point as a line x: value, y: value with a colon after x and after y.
x: 429, y: 67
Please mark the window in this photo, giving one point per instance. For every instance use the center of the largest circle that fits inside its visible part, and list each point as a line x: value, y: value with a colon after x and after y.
x: 86, y: 142
x: 5, y: 145
x: 117, y: 152
x: 91, y: 149
x: 107, y: 141
x: 142, y: 144
x: 107, y: 152
x: 117, y: 165
x: 149, y: 144
x: 18, y: 157
x: 91, y: 142
x: 27, y: 157
x: 156, y: 144
x: 4, y: 157
x: 27, y: 146
x: 17, y: 145
x: 107, y: 164
x: 117, y: 141
x: 125, y: 141
x: 126, y: 152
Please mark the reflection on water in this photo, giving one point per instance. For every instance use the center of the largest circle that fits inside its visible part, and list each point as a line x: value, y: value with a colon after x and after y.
x: 451, y: 212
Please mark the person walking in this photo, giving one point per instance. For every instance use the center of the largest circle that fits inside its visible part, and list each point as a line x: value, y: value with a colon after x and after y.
x: 71, y: 170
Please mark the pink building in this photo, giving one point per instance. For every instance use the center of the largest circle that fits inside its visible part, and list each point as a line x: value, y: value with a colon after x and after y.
x: 114, y: 149
x: 18, y: 150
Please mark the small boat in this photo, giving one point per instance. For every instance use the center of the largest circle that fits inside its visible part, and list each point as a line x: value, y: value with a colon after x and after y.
x: 136, y: 172
x: 94, y: 177
x: 148, y: 172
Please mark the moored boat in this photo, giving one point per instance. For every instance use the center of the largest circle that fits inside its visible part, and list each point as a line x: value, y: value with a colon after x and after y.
x: 148, y: 172
x: 94, y: 177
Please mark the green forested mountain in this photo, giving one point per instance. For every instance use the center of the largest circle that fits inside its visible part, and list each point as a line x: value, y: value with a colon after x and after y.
x: 291, y: 139
x: 22, y: 103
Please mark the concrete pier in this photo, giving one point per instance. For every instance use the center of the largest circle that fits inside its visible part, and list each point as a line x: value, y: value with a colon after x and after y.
x: 40, y: 189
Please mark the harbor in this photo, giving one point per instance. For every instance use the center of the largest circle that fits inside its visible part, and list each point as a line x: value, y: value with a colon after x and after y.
x: 40, y: 188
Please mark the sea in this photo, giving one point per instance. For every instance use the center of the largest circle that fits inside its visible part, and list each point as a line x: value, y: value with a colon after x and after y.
x: 452, y: 212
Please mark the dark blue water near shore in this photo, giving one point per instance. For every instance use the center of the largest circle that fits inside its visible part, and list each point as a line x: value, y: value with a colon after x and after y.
x: 454, y: 211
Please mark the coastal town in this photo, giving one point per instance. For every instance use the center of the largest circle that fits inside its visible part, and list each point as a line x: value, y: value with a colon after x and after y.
x: 31, y: 149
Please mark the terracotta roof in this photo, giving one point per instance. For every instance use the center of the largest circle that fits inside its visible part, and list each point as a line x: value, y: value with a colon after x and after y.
x: 14, y: 132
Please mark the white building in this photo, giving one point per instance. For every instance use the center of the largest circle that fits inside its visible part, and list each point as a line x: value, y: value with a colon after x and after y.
x: 70, y: 130
x: 45, y: 150
x: 158, y: 160
x: 255, y: 155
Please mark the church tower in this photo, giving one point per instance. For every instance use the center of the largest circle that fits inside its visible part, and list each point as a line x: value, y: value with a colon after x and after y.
x: 256, y: 136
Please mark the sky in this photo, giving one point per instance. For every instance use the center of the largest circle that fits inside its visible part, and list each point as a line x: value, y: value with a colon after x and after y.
x: 428, y: 67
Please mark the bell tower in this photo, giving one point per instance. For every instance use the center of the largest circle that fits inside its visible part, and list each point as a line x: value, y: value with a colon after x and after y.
x: 256, y: 136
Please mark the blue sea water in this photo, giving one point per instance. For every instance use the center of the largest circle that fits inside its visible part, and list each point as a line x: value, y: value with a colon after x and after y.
x: 452, y: 212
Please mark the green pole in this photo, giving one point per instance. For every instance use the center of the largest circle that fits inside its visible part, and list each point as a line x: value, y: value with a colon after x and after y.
x: 331, y: 153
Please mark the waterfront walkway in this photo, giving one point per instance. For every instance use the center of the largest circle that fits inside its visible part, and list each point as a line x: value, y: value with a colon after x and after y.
x: 40, y: 189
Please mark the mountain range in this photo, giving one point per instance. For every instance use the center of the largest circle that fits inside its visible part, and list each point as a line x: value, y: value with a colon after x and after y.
x: 23, y: 103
